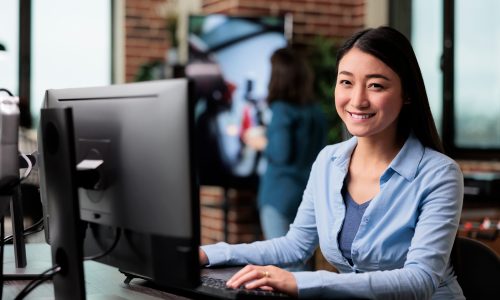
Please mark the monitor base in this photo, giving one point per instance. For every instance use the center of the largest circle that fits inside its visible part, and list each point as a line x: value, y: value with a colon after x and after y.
x: 38, y: 260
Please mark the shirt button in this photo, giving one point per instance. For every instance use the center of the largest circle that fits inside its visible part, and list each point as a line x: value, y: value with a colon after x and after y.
x: 365, y: 219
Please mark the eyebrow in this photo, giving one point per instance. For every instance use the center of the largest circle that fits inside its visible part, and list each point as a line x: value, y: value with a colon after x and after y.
x: 367, y: 76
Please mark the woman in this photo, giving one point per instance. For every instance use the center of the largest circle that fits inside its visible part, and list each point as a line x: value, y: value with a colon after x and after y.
x: 394, y: 166
x: 293, y: 139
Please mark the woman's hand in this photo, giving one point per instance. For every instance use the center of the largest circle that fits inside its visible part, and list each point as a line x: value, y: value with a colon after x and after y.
x: 255, y: 138
x: 203, y: 257
x: 265, y: 277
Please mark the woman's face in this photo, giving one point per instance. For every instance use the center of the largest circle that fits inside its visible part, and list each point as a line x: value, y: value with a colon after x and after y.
x: 368, y: 95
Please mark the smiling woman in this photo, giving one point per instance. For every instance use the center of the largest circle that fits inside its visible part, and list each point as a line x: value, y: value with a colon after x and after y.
x: 368, y: 99
x: 385, y: 200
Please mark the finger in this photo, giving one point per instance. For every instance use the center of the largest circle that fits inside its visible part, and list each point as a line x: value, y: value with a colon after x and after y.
x: 250, y: 276
x: 203, y: 257
x: 240, y: 273
x: 258, y: 283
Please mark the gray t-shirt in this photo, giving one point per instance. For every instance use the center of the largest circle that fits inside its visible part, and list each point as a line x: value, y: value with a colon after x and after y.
x: 353, y: 214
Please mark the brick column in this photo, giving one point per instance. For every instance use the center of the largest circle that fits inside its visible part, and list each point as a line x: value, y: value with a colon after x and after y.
x: 241, y: 215
x: 146, y: 36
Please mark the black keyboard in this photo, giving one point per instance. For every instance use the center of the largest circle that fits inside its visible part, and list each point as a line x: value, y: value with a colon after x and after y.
x: 217, y: 288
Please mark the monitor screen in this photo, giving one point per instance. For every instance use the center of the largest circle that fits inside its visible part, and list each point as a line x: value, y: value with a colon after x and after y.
x: 229, y: 60
x: 138, y: 139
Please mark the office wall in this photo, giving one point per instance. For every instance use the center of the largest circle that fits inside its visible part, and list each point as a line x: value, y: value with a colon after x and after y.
x: 146, y: 36
x: 330, y: 18
x: 147, y: 39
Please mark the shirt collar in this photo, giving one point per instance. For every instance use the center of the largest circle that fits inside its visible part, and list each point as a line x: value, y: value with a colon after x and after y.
x: 343, y: 153
x: 405, y: 163
x: 408, y: 159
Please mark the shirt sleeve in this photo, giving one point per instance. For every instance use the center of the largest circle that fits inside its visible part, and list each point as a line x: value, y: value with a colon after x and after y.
x: 427, y: 258
x: 283, y: 251
x: 297, y: 246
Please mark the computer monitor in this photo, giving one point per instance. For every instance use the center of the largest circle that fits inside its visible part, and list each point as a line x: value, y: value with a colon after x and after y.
x: 136, y: 142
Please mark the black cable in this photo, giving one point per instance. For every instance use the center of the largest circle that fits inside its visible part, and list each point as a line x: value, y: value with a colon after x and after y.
x: 7, y: 188
x: 7, y: 91
x: 46, y: 275
x: 35, y: 227
x: 32, y: 229
x: 49, y: 274
x: 115, y: 242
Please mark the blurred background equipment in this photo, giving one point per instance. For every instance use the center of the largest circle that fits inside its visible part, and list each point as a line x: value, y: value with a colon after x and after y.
x: 231, y: 81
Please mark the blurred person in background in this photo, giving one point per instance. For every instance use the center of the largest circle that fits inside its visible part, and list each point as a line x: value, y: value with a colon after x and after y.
x: 290, y: 143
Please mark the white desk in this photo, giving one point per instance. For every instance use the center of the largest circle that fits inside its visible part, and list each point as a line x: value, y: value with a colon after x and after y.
x: 101, y: 281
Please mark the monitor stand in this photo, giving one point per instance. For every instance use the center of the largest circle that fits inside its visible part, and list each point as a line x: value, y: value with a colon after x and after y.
x: 58, y: 145
x: 38, y: 262
x: 20, y: 261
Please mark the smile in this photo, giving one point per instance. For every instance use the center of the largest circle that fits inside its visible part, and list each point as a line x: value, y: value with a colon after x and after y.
x: 360, y: 116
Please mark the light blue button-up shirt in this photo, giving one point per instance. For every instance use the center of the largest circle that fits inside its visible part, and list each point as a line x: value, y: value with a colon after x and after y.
x: 403, y: 244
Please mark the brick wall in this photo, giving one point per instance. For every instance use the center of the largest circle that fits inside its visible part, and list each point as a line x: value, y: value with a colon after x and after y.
x: 331, y: 18
x: 147, y: 40
x: 146, y: 37
x: 241, y: 215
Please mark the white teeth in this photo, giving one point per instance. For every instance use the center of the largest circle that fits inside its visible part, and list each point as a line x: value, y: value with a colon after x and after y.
x: 361, y: 117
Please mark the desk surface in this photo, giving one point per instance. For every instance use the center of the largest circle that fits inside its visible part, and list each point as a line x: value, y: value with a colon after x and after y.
x: 101, y: 281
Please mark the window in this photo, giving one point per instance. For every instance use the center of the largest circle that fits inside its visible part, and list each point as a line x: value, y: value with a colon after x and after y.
x: 71, y: 46
x: 427, y: 40
x: 477, y: 74
x: 464, y: 37
x: 9, y: 38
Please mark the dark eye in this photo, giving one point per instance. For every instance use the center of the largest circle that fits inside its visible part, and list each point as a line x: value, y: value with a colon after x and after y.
x: 344, y: 82
x: 376, y: 86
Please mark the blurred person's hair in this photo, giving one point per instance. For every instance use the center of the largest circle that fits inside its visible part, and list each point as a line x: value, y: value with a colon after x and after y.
x: 291, y: 78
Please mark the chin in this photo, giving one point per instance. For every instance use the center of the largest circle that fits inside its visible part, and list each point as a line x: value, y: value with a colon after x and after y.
x: 358, y: 133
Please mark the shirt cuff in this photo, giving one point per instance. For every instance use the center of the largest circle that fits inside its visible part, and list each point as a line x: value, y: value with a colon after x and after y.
x: 215, y: 254
x: 308, y: 284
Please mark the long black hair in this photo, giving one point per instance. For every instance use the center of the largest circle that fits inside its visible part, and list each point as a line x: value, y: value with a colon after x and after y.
x: 395, y: 50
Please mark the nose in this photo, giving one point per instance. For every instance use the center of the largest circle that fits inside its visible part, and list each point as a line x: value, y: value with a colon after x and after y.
x: 359, y: 98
